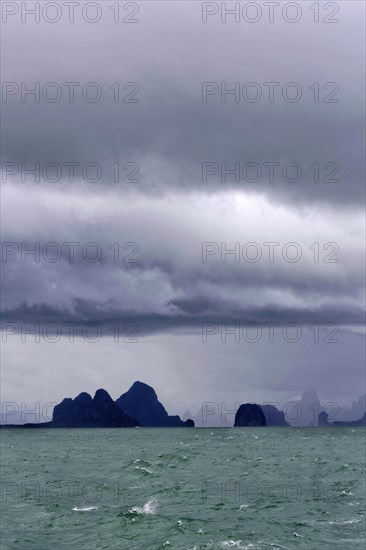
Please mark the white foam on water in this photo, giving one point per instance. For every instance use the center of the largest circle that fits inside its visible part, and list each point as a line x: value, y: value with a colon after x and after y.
x: 149, y: 508
x: 237, y: 544
x: 345, y: 521
x: 276, y: 546
x: 85, y: 509
x: 142, y: 469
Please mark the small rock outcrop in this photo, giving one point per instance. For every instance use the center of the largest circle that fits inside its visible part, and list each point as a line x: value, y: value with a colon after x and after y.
x: 141, y: 402
x: 323, y: 419
x: 86, y: 412
x: 360, y: 422
x: 249, y: 414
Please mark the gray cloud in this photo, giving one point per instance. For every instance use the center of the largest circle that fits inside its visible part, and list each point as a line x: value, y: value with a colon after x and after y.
x: 170, y: 132
x: 172, y: 209
x: 170, y: 283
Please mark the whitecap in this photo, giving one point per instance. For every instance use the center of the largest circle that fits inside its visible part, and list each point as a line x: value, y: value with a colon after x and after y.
x: 345, y: 521
x: 85, y: 509
x: 238, y: 544
x: 231, y: 544
x: 149, y: 507
x: 142, y: 469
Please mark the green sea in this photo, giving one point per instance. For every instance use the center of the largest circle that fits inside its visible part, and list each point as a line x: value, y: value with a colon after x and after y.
x: 185, y: 488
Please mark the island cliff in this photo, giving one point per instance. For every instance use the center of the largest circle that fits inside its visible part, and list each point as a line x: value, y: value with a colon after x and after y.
x: 249, y: 414
x: 86, y: 412
x: 141, y: 402
x: 273, y: 416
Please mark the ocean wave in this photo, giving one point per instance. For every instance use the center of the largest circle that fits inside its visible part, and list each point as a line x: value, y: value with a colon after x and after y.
x: 232, y: 544
x: 141, y: 461
x: 85, y: 509
x: 143, y: 469
x: 150, y: 507
x: 345, y: 521
x: 238, y: 544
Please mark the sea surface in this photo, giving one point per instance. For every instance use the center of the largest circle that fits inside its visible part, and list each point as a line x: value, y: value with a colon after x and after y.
x: 183, y: 488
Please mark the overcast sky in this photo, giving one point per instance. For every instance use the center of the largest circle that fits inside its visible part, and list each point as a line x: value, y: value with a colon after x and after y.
x: 298, y: 178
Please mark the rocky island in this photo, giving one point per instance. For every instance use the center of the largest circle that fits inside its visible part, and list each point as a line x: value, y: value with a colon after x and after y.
x: 139, y: 407
x: 141, y: 402
x: 86, y: 412
x: 249, y: 414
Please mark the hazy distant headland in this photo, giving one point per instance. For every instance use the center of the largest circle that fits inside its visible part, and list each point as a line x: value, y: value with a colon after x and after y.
x: 140, y: 407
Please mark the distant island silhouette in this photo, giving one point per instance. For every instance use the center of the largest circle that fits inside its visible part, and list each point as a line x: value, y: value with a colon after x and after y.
x: 140, y: 407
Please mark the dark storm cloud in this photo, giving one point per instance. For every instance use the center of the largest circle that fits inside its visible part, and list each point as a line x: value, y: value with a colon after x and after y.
x: 220, y: 315
x: 186, y: 145
x: 170, y: 132
x: 172, y: 281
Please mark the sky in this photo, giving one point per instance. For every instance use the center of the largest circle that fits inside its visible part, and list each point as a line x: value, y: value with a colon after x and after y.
x: 192, y: 188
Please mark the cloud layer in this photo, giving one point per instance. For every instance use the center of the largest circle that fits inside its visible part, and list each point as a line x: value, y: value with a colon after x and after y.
x: 184, y: 178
